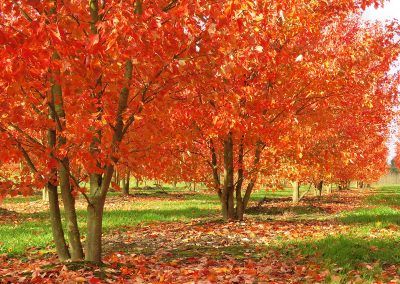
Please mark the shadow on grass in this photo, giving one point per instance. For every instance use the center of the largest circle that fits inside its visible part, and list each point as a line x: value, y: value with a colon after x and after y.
x: 387, y: 195
x: 350, y: 253
x: 383, y: 215
x: 295, y: 210
x: 384, y: 199
x: 340, y: 254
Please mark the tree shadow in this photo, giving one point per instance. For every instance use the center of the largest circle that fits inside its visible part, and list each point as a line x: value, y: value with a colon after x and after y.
x: 383, y: 215
x: 275, y: 210
x: 350, y: 253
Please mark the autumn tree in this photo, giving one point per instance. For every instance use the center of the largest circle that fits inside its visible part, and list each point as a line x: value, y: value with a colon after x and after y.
x: 84, y: 71
x: 254, y: 103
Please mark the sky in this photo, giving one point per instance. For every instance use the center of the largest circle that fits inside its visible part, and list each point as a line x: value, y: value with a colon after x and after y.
x: 391, y: 10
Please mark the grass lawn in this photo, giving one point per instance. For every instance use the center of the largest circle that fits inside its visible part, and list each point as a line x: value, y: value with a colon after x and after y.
x: 32, y: 229
x: 342, y: 237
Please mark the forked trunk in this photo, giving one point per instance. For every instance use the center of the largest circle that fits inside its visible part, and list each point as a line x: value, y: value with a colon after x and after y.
x: 100, y: 184
x: 64, y: 175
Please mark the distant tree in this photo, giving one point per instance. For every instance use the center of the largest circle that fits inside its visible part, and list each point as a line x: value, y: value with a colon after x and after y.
x: 393, y: 167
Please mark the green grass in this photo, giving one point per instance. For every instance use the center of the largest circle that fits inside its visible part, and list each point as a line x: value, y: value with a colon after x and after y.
x: 344, y: 254
x: 384, y: 211
x: 33, y: 230
x: 380, y: 216
x: 366, y: 242
x: 21, y: 199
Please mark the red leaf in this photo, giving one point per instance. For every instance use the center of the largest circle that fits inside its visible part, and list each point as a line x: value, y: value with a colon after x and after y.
x: 93, y: 40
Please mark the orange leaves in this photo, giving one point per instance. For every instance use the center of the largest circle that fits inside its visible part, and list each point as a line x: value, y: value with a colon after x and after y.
x: 93, y: 40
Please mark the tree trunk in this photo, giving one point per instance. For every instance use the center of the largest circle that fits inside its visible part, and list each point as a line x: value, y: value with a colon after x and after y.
x: 64, y: 174
x: 214, y: 165
x: 296, y: 192
x: 74, y: 236
x: 56, y: 224
x: 239, y: 183
x: 227, y: 201
x: 45, y: 194
x: 318, y: 188
x: 54, y: 206
x: 100, y: 185
x: 94, y: 229
x: 126, y: 181
x: 117, y: 178
x: 252, y: 183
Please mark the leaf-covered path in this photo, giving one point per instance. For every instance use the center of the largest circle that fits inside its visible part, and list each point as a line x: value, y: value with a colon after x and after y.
x: 349, y: 236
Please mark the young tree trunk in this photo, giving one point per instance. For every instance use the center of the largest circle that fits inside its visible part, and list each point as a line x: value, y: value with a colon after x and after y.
x: 100, y: 185
x: 227, y: 201
x: 296, y: 192
x: 239, y: 183
x: 74, y: 236
x: 214, y: 165
x: 64, y: 174
x: 117, y: 178
x: 126, y: 181
x: 94, y: 229
x: 253, y: 179
x: 54, y: 206
x: 56, y: 224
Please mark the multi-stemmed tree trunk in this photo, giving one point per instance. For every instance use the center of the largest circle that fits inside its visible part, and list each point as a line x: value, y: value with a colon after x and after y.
x: 63, y: 168
x: 228, y: 191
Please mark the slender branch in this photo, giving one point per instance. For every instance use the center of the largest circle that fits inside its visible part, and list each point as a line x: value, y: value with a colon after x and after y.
x: 24, y: 13
x: 30, y: 138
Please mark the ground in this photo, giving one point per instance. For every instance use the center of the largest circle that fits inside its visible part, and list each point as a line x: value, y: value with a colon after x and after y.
x: 178, y: 237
